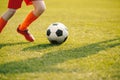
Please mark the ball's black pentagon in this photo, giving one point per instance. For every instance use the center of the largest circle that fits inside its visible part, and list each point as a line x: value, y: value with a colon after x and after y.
x: 55, y: 24
x: 54, y: 42
x: 59, y: 32
x: 48, y: 32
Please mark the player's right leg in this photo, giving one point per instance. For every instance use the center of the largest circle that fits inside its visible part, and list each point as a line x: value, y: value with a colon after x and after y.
x: 39, y: 7
x: 13, y: 5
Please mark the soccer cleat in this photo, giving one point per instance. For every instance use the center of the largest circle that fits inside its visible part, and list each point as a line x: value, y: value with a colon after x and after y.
x: 26, y: 34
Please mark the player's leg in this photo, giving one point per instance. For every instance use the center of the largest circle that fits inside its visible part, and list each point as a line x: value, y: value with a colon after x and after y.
x: 5, y: 17
x: 39, y: 7
x: 8, y: 14
x: 13, y: 5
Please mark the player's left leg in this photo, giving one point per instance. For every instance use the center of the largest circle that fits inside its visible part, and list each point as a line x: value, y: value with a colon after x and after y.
x: 13, y: 5
x: 5, y: 17
x: 39, y: 7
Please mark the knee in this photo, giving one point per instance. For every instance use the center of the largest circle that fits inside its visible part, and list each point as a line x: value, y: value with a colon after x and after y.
x: 11, y: 11
x: 40, y: 10
x: 8, y: 14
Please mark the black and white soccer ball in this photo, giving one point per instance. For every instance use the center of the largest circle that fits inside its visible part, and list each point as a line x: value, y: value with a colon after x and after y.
x: 57, y: 33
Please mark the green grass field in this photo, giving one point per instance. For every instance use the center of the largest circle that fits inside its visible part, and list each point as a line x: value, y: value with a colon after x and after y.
x: 91, y: 52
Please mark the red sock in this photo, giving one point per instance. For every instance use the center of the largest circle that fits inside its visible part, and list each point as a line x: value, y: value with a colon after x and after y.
x: 2, y: 24
x: 28, y: 20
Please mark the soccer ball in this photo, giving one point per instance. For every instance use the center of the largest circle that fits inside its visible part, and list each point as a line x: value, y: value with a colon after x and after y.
x: 57, y: 33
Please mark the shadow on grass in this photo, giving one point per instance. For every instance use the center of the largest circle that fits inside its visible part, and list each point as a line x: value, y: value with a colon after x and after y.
x: 39, y: 47
x: 11, y: 44
x: 46, y: 62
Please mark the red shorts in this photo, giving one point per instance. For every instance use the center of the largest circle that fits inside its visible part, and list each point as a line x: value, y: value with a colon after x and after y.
x: 15, y: 4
